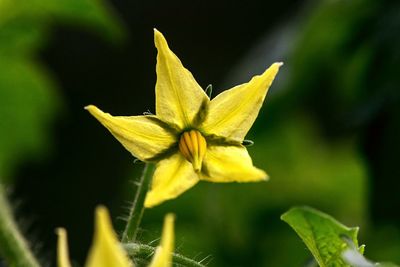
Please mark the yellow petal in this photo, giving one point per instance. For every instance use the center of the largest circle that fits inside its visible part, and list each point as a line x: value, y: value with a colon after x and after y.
x: 230, y: 164
x: 172, y: 177
x: 178, y: 95
x: 233, y: 112
x: 106, y: 251
x: 62, y: 248
x: 143, y: 136
x: 163, y: 254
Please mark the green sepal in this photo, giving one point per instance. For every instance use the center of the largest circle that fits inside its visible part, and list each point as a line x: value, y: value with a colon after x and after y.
x: 248, y: 142
x: 209, y: 90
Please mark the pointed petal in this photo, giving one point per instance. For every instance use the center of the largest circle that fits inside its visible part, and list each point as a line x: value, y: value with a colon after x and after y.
x: 106, y: 250
x: 143, y: 136
x: 172, y: 177
x: 230, y: 164
x: 233, y: 112
x: 179, y: 97
x: 163, y: 254
x: 62, y: 248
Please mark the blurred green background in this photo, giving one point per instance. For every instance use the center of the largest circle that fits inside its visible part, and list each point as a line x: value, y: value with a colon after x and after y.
x: 328, y: 134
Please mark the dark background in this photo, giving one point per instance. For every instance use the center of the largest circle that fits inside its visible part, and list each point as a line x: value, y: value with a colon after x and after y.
x: 327, y: 134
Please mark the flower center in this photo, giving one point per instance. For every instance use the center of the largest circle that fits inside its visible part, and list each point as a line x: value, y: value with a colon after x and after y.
x: 193, y: 147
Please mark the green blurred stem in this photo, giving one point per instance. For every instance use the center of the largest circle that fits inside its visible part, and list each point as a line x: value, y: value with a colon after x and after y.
x: 137, y: 209
x: 13, y: 247
x: 145, y: 252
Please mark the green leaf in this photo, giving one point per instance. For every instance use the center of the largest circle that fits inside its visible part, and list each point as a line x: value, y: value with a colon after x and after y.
x: 322, y: 234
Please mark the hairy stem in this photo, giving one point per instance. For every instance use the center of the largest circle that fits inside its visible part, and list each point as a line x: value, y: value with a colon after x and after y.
x: 137, y: 209
x: 140, y: 251
x: 13, y: 247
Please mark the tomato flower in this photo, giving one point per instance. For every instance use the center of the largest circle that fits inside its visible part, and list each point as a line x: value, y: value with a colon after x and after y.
x: 191, y: 137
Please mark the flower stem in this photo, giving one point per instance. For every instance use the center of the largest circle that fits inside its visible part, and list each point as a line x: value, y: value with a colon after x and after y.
x: 145, y: 252
x: 137, y: 209
x: 13, y: 247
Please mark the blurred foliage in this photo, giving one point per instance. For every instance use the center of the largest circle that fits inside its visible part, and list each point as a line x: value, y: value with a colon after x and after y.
x: 28, y: 95
x: 300, y: 161
x: 343, y: 78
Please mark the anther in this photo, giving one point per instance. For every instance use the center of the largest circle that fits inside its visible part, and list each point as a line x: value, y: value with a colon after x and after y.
x: 193, y: 147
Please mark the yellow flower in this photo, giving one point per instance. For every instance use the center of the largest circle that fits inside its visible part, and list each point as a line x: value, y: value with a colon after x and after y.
x: 106, y: 250
x: 191, y: 137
